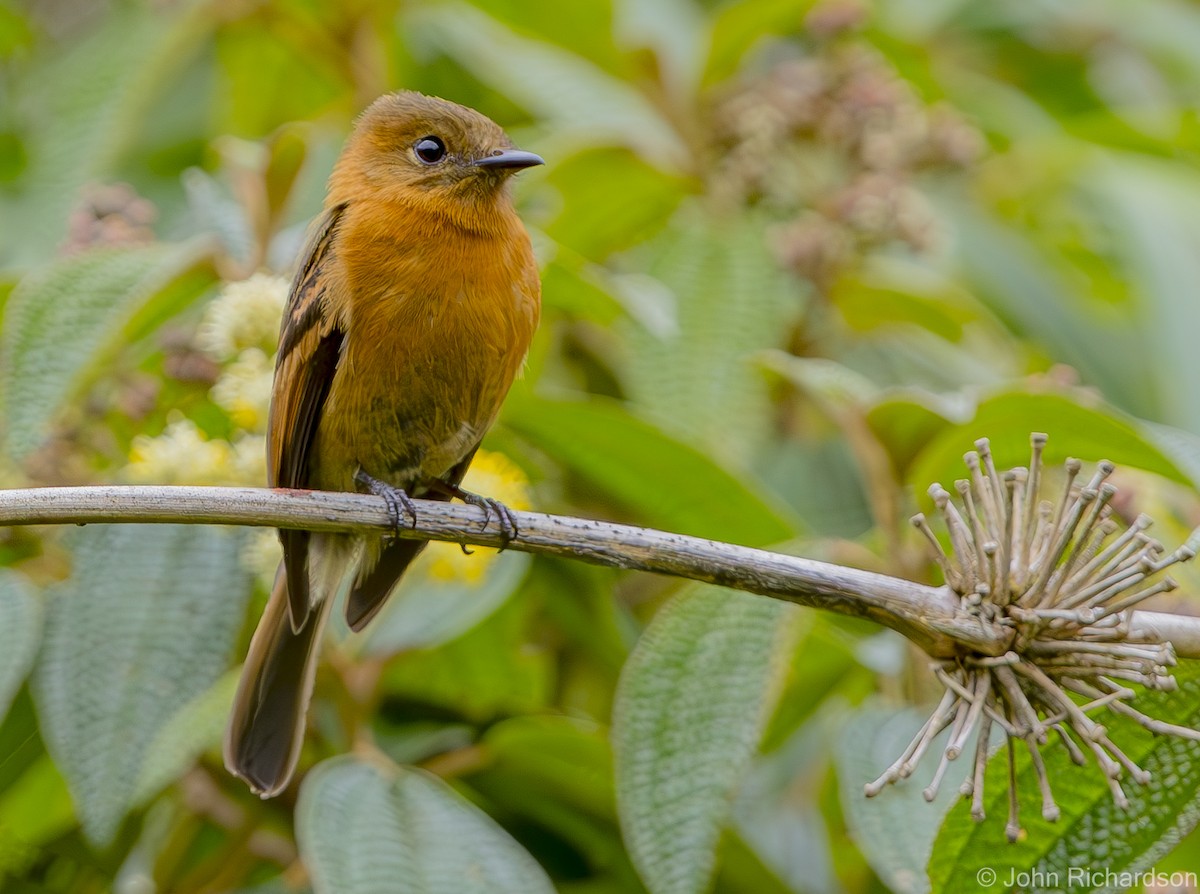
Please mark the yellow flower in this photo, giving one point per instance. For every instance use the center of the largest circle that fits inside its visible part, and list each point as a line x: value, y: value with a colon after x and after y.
x: 245, y: 315
x: 243, y: 390
x: 493, y: 475
x: 180, y: 455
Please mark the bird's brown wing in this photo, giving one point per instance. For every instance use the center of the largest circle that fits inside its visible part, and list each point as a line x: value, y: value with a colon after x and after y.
x: 310, y: 344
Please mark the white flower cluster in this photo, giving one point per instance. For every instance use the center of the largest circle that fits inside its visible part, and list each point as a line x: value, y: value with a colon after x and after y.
x: 245, y: 315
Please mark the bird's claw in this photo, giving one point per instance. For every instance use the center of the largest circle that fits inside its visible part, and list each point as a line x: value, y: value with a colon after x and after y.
x: 492, y: 508
x: 399, y: 503
x: 505, y: 517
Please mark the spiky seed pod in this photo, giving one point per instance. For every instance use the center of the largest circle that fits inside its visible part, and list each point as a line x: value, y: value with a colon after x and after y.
x: 1061, y: 577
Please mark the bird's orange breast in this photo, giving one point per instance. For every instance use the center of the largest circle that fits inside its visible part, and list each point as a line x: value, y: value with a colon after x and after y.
x: 438, y: 321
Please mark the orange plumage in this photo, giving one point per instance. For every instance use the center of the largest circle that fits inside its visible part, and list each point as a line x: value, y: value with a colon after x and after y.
x: 410, y: 315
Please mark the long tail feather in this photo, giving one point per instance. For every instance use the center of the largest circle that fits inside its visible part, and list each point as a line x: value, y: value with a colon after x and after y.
x: 266, y: 728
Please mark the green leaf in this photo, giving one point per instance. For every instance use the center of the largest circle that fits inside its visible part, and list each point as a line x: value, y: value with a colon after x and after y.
x: 738, y: 26
x: 271, y: 76
x: 578, y: 288
x: 1093, y: 833
x: 426, y: 612
x: 827, y: 382
x: 370, y: 829
x: 577, y: 99
x: 1183, y: 447
x: 1090, y: 433
x: 145, y: 624
x: 20, y: 633
x: 692, y: 704
x: 556, y: 775
x: 890, y: 292
x: 560, y: 755
x: 597, y: 220
x: 1028, y: 286
x: 485, y: 672
x: 1154, y: 211
x: 214, y: 210
x: 905, y: 422
x: 65, y: 324
x: 698, y: 378
x: 34, y: 811
x: 664, y: 482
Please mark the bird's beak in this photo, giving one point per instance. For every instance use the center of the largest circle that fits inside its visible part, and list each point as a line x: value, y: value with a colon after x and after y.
x: 509, y: 158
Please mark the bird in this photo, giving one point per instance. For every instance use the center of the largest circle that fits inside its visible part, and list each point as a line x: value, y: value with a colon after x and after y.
x: 409, y: 317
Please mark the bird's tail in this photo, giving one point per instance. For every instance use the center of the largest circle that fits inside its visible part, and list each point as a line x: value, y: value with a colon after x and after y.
x: 373, y: 587
x: 266, y: 728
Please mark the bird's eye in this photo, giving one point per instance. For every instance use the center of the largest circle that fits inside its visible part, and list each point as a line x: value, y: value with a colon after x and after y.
x: 430, y: 150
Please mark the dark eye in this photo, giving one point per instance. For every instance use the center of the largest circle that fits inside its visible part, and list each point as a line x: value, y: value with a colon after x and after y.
x: 430, y: 150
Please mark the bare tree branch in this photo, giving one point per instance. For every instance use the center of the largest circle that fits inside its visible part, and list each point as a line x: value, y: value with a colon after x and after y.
x: 929, y: 616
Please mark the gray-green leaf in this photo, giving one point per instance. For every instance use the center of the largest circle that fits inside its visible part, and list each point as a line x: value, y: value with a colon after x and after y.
x: 196, y: 726
x: 896, y: 829
x: 690, y: 710
x: 63, y: 324
x: 699, y: 379
x: 20, y: 632
x: 144, y: 625
x: 393, y: 830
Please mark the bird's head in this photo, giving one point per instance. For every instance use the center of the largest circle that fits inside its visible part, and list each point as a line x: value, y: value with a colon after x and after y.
x: 412, y: 148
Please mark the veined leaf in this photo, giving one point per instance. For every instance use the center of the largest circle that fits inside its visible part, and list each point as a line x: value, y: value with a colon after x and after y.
x: 731, y: 301
x: 20, y: 633
x: 64, y: 324
x: 144, y: 625
x: 1093, y: 833
x: 195, y: 727
x: 392, y: 830
x: 692, y: 704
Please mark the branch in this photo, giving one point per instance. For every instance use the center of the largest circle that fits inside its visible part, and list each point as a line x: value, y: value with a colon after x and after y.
x: 929, y: 616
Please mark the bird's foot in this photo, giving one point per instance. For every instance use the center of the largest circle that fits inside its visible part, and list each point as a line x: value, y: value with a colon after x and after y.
x: 399, y: 503
x: 492, y: 508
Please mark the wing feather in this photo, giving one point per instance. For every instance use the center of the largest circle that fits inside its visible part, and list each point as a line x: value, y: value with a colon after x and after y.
x: 310, y: 345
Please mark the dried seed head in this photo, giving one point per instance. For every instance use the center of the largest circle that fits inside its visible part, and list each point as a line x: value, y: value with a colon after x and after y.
x: 1061, y: 577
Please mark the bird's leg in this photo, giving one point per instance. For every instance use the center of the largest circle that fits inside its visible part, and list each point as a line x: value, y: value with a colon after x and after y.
x: 506, y: 518
x: 398, y: 502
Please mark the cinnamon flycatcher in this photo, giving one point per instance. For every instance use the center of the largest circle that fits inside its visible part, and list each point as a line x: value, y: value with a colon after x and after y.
x: 409, y: 317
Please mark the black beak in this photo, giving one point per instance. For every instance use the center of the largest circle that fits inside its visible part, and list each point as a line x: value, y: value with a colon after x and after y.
x: 509, y: 158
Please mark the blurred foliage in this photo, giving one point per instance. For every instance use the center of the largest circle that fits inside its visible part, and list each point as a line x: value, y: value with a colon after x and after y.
x: 796, y: 255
